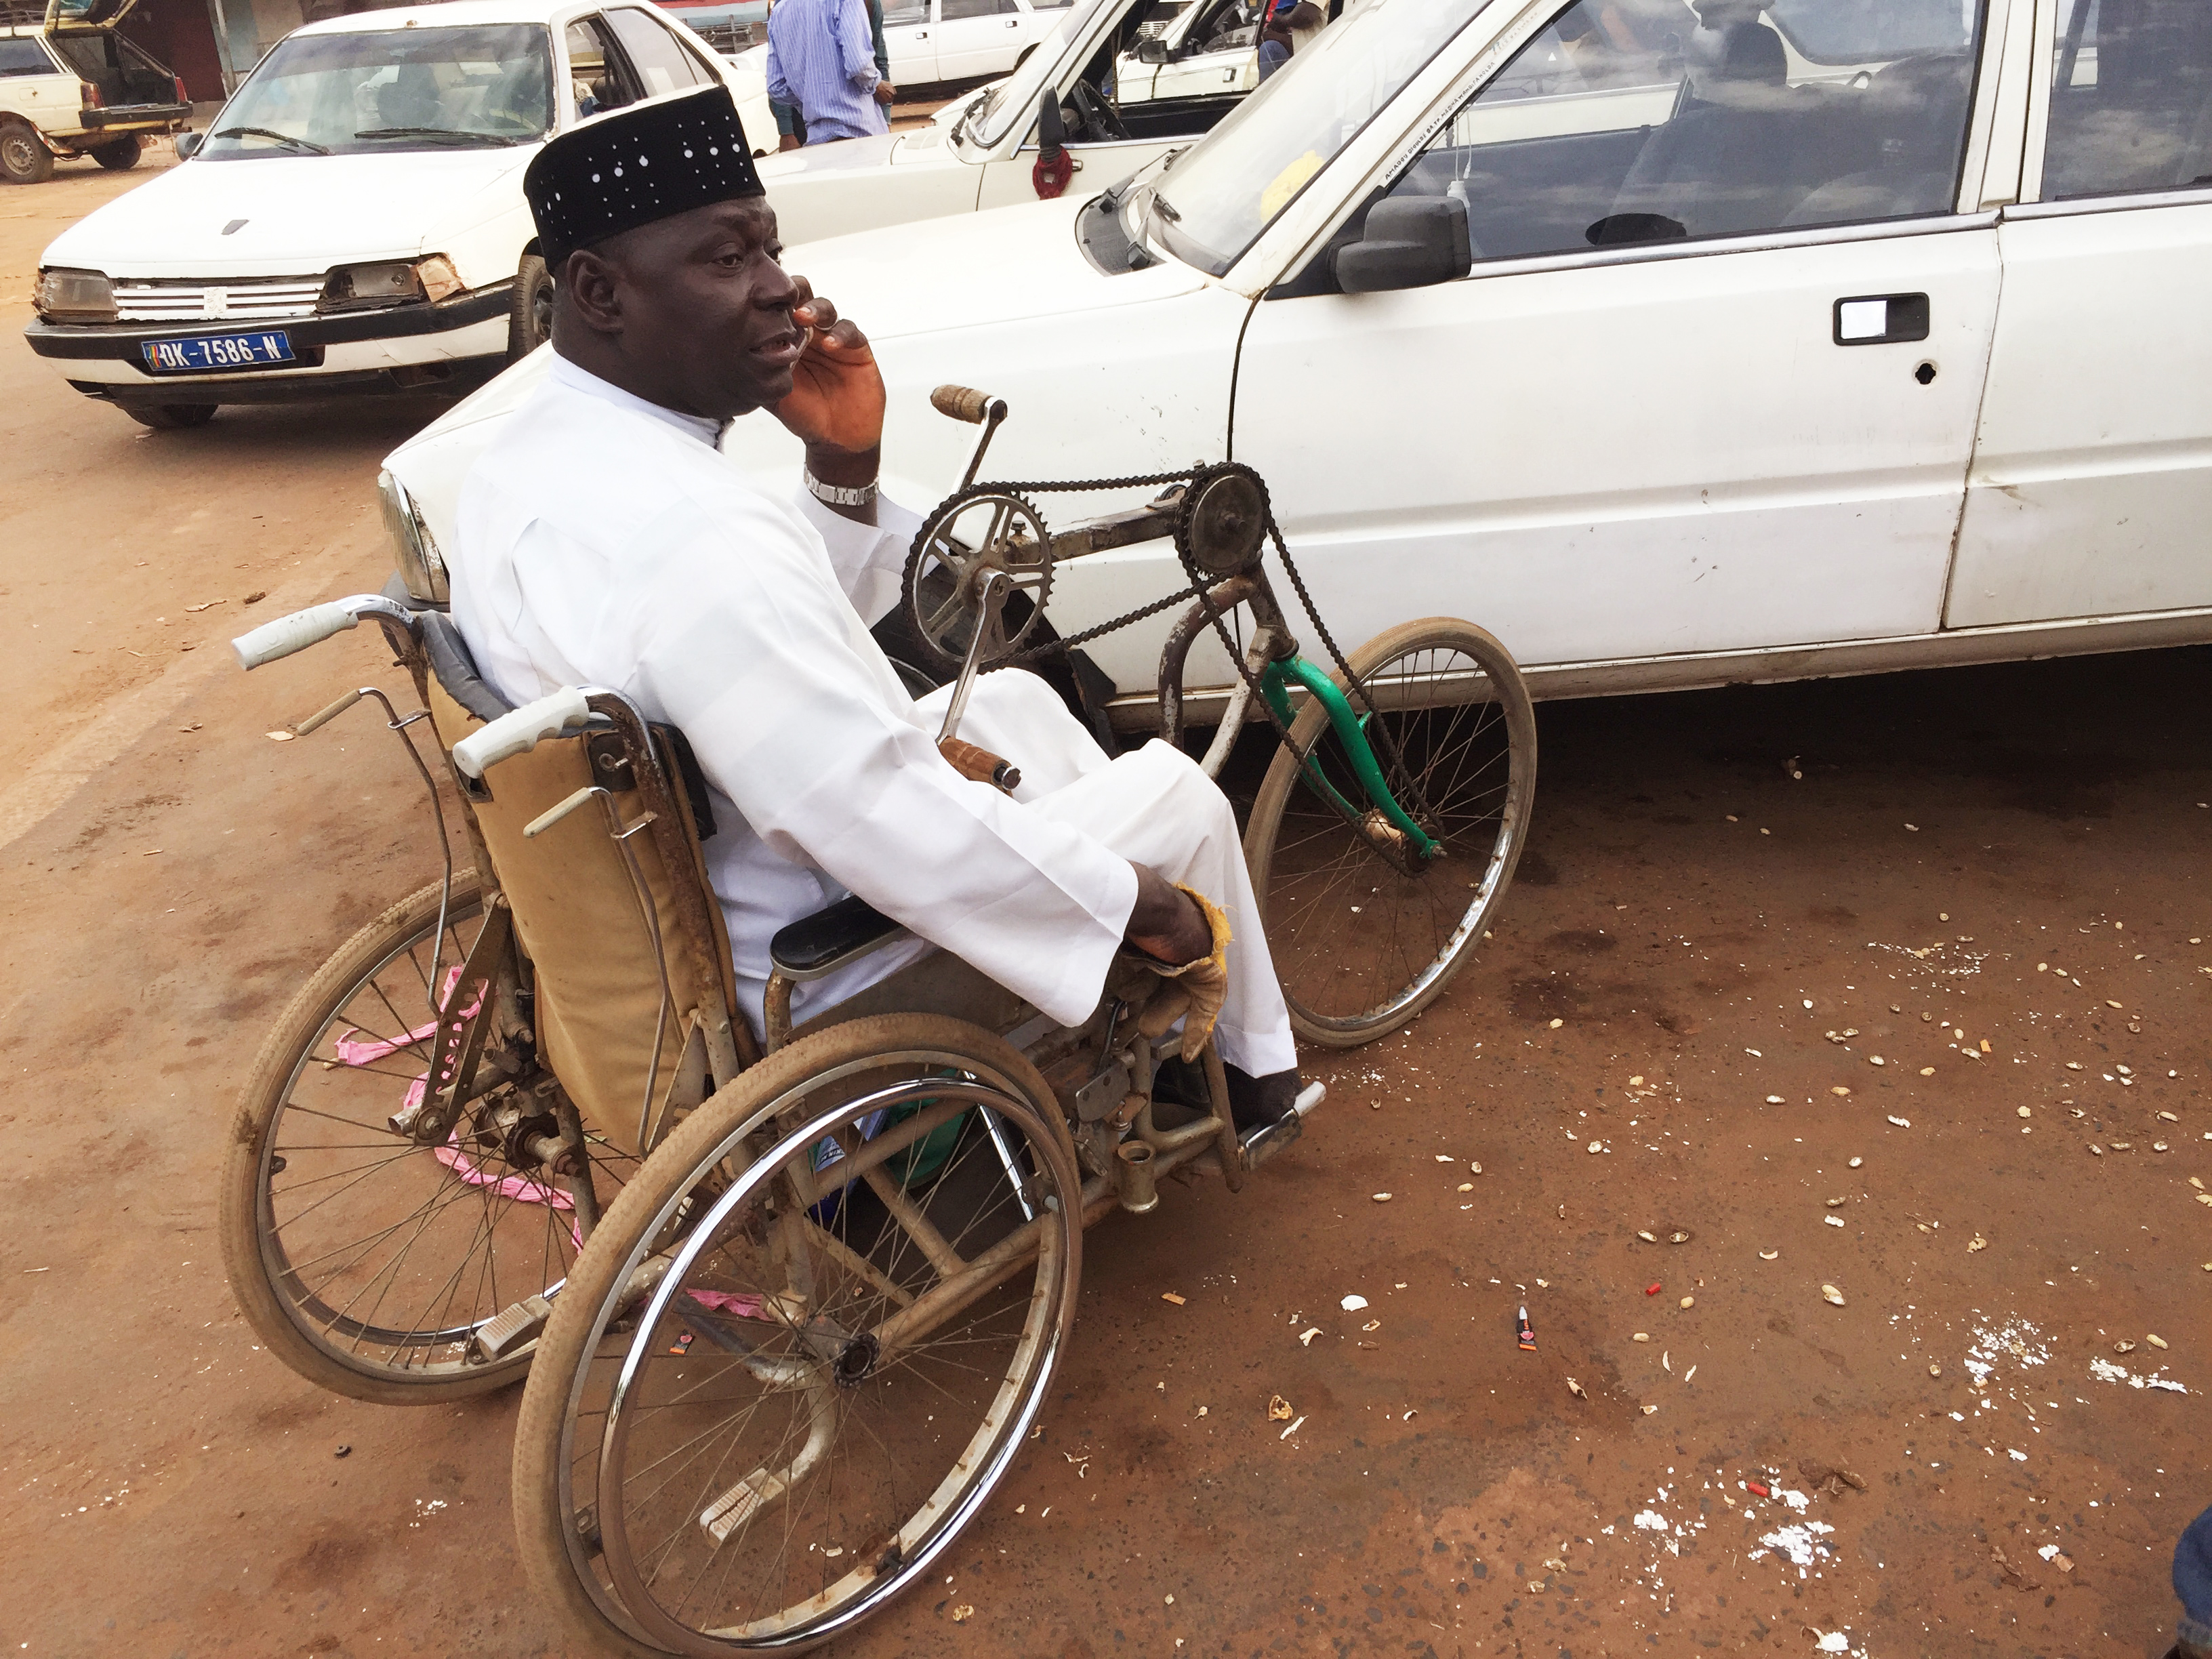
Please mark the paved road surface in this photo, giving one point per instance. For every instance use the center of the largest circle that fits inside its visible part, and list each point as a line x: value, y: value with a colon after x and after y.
x: 1691, y: 923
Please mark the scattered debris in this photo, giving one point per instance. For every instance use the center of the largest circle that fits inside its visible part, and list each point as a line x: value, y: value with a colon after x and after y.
x: 1278, y: 1409
x: 1902, y: 1123
x: 281, y: 737
x: 1381, y: 1198
x: 255, y: 597
x: 1575, y: 1389
x: 2012, y: 1575
x: 1293, y: 1428
x: 1306, y: 1336
x: 2156, y: 1342
x: 1648, y: 1238
x: 1758, y: 1489
x: 1688, y: 1302
x: 1641, y: 1336
x: 1829, y: 1293
x: 1977, y: 1243
x: 1653, y: 1288
x: 342, y: 1451
x: 1353, y: 1304
x: 1525, y: 1334
x: 1768, y: 1255
x: 1169, y: 1296
x: 963, y: 1613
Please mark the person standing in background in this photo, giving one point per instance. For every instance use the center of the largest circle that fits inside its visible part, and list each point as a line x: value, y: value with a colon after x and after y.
x: 1288, y: 24
x: 822, y: 61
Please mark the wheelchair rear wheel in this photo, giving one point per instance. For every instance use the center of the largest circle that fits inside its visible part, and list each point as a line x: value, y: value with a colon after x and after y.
x: 1364, y: 933
x: 366, y: 1259
x: 804, y: 1346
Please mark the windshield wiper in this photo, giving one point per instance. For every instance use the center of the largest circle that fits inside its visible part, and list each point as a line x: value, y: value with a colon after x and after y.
x: 1167, y: 208
x: 287, y: 139
x: 447, y: 134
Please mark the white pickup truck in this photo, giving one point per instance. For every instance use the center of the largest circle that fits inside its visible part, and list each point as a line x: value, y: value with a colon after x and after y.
x: 70, y: 85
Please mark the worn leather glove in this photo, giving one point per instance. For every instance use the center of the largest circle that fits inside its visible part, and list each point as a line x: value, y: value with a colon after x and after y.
x: 1195, y: 990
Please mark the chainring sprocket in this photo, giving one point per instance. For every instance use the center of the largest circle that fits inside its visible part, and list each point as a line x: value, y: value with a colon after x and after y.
x: 969, y: 533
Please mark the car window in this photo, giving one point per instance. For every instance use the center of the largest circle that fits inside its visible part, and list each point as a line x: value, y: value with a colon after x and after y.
x: 22, y: 57
x: 1659, y: 120
x: 658, y: 56
x: 905, y: 11
x: 2130, y: 97
x: 383, y: 89
x: 599, y: 74
x: 955, y: 10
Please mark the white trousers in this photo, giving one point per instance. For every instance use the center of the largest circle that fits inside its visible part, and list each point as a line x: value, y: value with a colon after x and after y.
x: 1154, y: 807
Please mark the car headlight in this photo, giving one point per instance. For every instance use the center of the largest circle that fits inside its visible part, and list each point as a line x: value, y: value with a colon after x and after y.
x: 420, y: 565
x: 389, y: 282
x: 75, y: 296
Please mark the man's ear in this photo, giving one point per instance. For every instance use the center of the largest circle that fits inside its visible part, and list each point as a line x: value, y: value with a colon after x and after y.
x: 591, y: 288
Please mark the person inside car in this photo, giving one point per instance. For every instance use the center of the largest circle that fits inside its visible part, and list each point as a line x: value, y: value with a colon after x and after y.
x: 602, y: 541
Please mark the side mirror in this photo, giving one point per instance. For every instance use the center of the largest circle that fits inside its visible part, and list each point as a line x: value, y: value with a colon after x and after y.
x: 188, y: 144
x: 1410, y: 242
x: 1052, y: 131
x: 1152, y: 50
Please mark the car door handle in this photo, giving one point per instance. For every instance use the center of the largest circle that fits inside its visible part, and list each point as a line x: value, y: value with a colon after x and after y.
x: 1880, y: 318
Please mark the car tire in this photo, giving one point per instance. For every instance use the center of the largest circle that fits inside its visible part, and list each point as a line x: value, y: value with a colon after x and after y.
x: 23, y: 159
x: 530, y: 324
x: 170, y: 417
x: 119, y: 155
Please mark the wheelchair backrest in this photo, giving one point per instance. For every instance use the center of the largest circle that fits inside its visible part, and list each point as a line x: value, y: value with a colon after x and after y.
x: 598, y: 982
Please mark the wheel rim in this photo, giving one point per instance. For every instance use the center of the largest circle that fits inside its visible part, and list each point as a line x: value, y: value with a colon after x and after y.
x: 387, y: 1254
x: 18, y: 154
x: 838, y: 1446
x: 541, y: 311
x: 1360, y: 932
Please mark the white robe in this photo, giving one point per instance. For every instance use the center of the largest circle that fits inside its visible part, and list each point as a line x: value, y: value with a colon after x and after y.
x: 602, y: 541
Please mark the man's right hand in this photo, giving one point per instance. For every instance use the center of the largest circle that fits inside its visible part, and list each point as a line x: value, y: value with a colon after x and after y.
x: 886, y: 94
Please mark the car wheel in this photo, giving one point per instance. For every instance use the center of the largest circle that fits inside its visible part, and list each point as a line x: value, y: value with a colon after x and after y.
x: 169, y: 417
x: 120, y: 155
x: 23, y: 159
x: 529, y: 324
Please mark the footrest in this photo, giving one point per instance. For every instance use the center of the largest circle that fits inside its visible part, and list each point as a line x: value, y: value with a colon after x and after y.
x: 509, y: 1329
x: 814, y: 945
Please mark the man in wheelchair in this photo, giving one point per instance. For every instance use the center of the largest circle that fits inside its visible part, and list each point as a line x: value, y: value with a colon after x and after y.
x: 602, y: 541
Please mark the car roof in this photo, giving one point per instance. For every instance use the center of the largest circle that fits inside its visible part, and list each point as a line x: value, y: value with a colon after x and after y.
x: 453, y: 14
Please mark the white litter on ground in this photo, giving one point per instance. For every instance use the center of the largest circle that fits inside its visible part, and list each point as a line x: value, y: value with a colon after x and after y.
x: 1801, y: 1541
x: 1651, y: 1521
x: 2105, y: 1371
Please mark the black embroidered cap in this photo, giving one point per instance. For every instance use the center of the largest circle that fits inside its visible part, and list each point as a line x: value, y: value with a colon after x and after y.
x: 649, y: 161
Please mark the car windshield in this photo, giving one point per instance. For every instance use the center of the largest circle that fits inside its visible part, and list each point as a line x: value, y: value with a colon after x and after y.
x: 486, y: 86
x: 1016, y: 95
x: 1229, y: 187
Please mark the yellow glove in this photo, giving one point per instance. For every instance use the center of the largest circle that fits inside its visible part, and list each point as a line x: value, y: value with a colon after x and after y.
x: 1197, y: 989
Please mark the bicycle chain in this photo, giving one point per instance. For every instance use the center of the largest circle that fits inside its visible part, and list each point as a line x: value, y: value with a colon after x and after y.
x: 1200, y: 590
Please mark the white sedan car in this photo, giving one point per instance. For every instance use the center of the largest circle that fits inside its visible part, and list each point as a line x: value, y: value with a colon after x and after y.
x: 982, y: 151
x: 1830, y: 339
x: 353, y: 221
x: 931, y: 40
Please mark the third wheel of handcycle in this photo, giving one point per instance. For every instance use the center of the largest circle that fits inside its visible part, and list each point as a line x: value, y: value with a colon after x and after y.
x: 804, y: 1346
x: 1365, y: 934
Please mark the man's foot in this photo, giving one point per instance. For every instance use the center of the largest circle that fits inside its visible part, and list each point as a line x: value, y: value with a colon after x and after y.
x: 1255, y: 1102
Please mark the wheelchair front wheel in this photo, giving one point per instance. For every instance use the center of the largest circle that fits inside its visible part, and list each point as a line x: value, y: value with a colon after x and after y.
x: 805, y: 1345
x: 1364, y: 935
x: 363, y: 1258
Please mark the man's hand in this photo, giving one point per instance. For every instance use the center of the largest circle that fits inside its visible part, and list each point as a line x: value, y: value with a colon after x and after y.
x: 836, y: 403
x: 886, y: 94
x: 1165, y: 923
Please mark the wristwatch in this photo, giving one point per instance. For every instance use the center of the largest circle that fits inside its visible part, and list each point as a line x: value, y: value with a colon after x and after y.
x: 836, y: 495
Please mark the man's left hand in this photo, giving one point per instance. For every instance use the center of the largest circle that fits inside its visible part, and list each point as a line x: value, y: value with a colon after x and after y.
x: 836, y: 403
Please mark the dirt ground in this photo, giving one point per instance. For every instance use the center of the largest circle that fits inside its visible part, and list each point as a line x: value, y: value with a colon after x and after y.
x: 1732, y: 904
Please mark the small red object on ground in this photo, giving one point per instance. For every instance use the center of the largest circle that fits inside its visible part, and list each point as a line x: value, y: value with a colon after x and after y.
x: 1527, y: 1333
x: 1758, y: 1489
x: 1652, y: 1289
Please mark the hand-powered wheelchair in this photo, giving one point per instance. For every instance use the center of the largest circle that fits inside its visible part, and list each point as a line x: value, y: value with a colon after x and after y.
x: 788, y: 1307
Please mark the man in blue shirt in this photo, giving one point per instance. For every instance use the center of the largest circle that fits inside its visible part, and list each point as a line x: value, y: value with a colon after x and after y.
x: 821, y: 59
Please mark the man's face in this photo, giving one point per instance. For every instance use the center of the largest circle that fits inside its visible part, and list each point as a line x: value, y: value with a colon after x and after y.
x: 704, y: 308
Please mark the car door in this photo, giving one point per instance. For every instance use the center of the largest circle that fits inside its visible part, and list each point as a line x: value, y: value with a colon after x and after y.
x: 1711, y: 381
x: 599, y: 74
x: 1213, y: 53
x: 33, y: 85
x: 910, y: 39
x: 978, y: 37
x: 2092, y: 484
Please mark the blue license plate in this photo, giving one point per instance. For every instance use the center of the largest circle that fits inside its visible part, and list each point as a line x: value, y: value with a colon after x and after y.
x: 204, y: 354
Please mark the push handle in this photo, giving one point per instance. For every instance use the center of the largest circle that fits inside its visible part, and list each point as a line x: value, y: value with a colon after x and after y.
x: 553, y: 815
x: 296, y: 632
x: 521, y: 731
x: 962, y: 403
x: 323, y: 717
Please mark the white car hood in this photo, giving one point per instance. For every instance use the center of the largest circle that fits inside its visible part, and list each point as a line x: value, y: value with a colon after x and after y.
x: 302, y: 214
x: 973, y: 271
x: 839, y: 155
